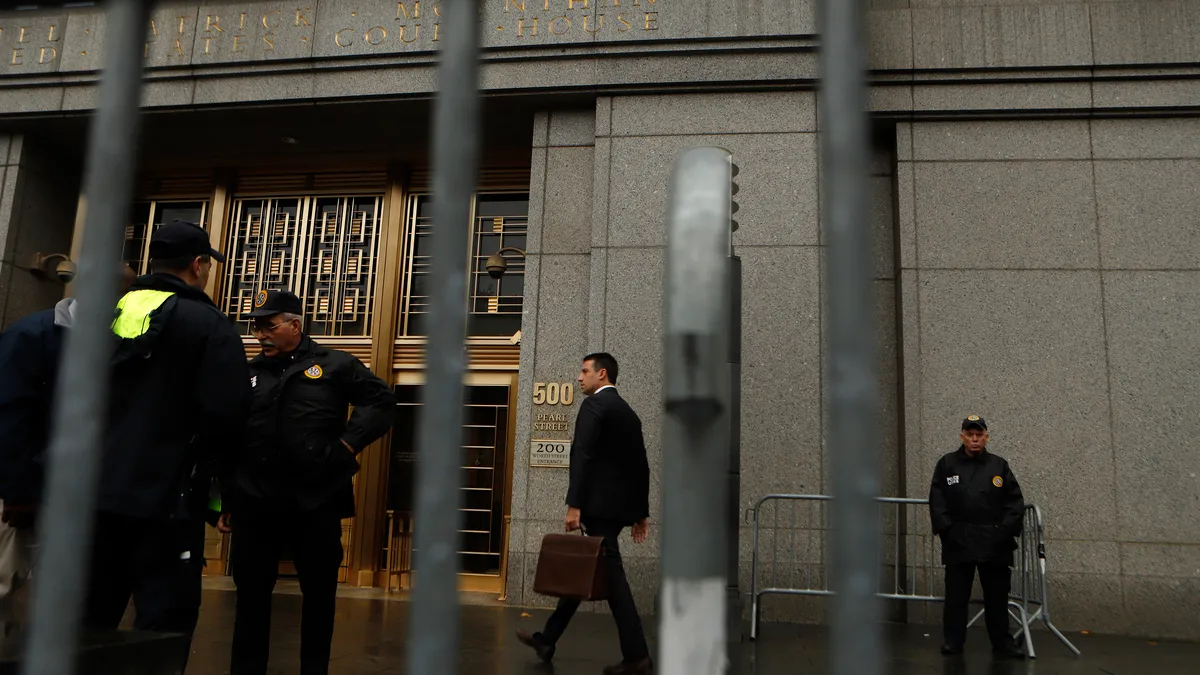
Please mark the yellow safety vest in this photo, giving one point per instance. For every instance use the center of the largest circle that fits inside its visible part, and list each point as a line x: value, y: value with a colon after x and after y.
x: 134, y: 310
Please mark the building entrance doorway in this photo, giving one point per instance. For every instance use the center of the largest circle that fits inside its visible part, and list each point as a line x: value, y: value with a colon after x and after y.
x: 485, y: 487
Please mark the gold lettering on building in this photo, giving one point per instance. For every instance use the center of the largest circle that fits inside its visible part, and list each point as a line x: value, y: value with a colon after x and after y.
x: 564, y: 20
x: 179, y: 47
x: 181, y: 20
x: 21, y: 35
x: 302, y: 17
x: 269, y: 39
x: 402, y: 9
x: 242, y: 22
x: 153, y: 29
x: 337, y: 37
x: 50, y: 37
x: 53, y: 55
x: 416, y: 33
x: 592, y: 24
x: 236, y: 46
x: 435, y: 32
x: 211, y: 22
x: 521, y: 26
x: 380, y: 34
x: 207, y: 42
x: 267, y: 16
x: 18, y: 56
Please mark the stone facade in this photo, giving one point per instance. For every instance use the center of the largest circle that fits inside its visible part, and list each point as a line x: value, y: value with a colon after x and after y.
x: 1033, y: 209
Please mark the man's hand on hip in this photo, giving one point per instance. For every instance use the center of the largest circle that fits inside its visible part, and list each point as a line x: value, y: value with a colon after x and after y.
x: 641, y: 529
x: 572, y: 519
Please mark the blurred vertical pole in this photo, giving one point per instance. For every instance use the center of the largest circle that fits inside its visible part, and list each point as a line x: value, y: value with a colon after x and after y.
x: 434, y: 613
x: 80, y: 407
x: 697, y: 401
x: 857, y: 639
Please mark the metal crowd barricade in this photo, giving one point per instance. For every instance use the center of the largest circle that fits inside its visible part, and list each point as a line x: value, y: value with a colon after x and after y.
x: 907, y: 563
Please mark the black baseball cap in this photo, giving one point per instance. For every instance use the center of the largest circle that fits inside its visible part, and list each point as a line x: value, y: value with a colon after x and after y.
x: 181, y: 239
x: 974, y: 422
x: 270, y: 303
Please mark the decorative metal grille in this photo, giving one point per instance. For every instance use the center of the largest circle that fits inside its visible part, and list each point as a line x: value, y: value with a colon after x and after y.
x: 484, y: 471
x: 495, y: 306
x: 323, y: 249
x: 147, y: 217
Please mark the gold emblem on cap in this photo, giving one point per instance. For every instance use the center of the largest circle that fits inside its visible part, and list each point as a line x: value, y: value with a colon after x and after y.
x: 972, y: 418
x: 313, y: 373
x: 260, y: 299
x: 997, y: 481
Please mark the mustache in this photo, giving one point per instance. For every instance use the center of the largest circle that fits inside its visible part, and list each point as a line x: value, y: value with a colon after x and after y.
x: 266, y: 344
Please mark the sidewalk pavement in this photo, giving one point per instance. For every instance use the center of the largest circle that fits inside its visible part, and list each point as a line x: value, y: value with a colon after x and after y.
x: 370, y: 638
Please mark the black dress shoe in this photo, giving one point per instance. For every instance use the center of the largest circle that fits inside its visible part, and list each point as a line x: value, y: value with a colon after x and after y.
x: 642, y: 666
x: 1009, y: 653
x: 952, y: 650
x: 535, y: 641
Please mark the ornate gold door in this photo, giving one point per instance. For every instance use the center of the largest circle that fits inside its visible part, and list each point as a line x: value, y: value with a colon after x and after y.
x: 489, y: 407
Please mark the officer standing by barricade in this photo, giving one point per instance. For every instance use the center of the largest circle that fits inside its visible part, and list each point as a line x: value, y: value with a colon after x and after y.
x: 293, y: 483
x: 976, y: 506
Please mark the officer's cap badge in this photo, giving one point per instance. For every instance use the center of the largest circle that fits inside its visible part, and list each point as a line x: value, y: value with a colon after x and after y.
x: 260, y: 299
x: 973, y: 418
x: 313, y: 373
x: 997, y: 481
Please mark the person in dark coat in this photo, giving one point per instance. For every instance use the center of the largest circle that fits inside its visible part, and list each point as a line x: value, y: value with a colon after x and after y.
x: 292, y: 486
x: 976, y: 507
x: 30, y: 351
x: 178, y: 400
x: 609, y: 490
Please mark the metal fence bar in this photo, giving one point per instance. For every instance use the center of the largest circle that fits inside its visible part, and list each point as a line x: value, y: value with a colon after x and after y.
x: 696, y: 393
x: 434, y: 637
x: 81, y: 405
x: 857, y: 643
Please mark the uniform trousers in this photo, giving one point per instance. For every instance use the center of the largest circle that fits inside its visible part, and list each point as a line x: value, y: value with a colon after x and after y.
x: 995, y: 579
x: 315, y: 539
x: 620, y: 598
x: 157, y: 563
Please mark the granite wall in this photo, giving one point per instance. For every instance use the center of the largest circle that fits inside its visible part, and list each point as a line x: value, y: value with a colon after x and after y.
x: 1051, y: 282
x: 37, y: 215
x: 597, y: 236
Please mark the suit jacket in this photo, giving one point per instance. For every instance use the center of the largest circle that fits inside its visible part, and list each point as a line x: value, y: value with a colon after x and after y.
x: 610, y: 477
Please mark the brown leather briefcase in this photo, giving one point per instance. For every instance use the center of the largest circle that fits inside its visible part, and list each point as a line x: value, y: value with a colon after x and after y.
x: 571, y: 566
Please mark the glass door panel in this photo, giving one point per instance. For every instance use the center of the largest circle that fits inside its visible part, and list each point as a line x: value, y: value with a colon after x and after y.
x: 488, y: 405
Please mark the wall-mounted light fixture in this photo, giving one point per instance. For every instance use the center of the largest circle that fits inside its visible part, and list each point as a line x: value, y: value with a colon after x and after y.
x: 53, y: 267
x: 497, y: 265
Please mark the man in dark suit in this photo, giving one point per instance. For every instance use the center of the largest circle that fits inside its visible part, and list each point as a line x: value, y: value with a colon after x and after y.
x: 609, y: 491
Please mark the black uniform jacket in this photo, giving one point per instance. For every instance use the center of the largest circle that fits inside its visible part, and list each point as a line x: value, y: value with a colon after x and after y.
x: 610, y: 477
x: 975, y: 504
x: 179, y: 398
x: 293, y: 459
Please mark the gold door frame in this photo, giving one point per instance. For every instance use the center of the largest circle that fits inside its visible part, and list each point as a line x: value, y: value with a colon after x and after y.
x: 483, y: 583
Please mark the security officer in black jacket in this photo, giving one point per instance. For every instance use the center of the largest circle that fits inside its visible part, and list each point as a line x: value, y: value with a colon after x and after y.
x: 179, y: 399
x: 293, y: 483
x: 975, y: 505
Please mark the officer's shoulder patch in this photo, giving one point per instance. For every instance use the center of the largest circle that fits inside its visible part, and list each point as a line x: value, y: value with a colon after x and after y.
x: 314, y: 372
x: 997, y: 481
x: 260, y: 299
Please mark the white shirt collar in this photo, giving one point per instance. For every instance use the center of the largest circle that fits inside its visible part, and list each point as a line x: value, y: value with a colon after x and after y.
x: 607, y: 386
